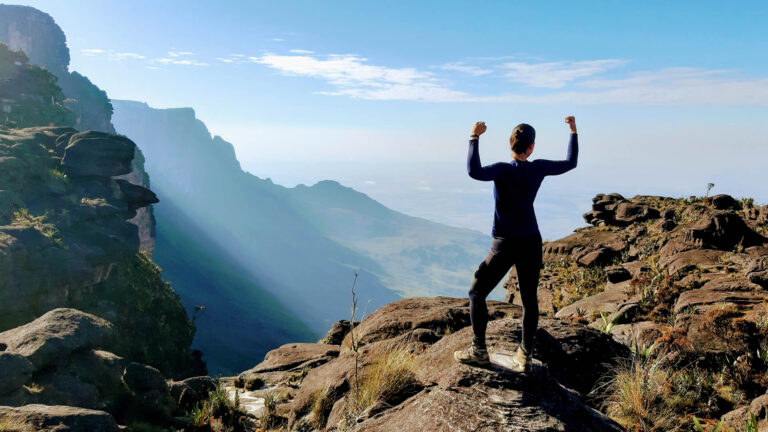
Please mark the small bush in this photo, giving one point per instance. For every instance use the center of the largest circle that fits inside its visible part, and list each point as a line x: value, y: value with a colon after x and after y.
x: 218, y: 413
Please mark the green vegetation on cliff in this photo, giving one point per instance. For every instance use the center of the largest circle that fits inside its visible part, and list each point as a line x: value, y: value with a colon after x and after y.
x: 29, y: 95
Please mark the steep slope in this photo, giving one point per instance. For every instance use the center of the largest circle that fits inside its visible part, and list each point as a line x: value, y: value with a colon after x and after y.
x: 43, y: 43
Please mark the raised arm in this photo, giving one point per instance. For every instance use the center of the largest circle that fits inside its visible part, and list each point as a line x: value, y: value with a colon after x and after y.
x: 474, y: 168
x: 562, y: 166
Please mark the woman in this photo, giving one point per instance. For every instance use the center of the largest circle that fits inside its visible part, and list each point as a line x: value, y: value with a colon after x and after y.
x: 516, y: 236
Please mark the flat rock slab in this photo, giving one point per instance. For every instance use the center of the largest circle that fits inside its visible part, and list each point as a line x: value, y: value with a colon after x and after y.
x: 736, y: 290
x: 614, y: 299
x: 55, y: 335
x: 57, y: 418
x: 295, y: 355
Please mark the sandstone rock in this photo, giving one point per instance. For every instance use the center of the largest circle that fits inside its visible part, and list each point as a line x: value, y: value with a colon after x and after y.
x: 628, y: 213
x: 52, y: 337
x: 57, y: 418
x: 191, y: 391
x: 93, y: 153
x: 723, y: 231
x: 142, y: 378
x: 15, y: 371
x: 464, y: 398
x: 613, y: 300
x: 436, y: 314
x: 639, y: 334
x: 733, y: 290
x: 738, y: 417
x: 585, y: 247
x: 296, y: 355
x: 724, y: 202
x: 337, y: 332
x: 616, y: 274
x: 683, y: 262
x: 136, y: 196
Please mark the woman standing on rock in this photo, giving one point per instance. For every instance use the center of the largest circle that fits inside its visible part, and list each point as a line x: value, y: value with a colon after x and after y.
x: 516, y: 236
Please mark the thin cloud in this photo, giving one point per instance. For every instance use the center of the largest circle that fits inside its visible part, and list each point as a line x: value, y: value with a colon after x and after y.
x: 91, y: 52
x: 464, y: 68
x: 119, y: 56
x: 300, y: 51
x: 184, y: 62
x: 556, y: 74
x: 180, y: 53
x: 354, y: 76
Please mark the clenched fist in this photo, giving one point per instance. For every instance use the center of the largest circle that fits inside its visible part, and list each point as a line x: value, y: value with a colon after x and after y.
x: 479, y: 128
x: 571, y: 120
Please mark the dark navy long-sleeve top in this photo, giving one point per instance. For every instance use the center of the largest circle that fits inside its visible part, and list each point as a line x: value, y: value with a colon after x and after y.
x: 515, y: 186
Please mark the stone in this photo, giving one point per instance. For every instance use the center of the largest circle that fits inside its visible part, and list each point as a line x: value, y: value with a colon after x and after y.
x: 637, y: 335
x: 616, y: 274
x: 724, y: 202
x: 57, y: 418
x: 136, y: 196
x: 191, y: 391
x: 15, y: 371
x: 629, y: 213
x: 732, y: 290
x: 585, y: 247
x: 612, y: 301
x: 723, y: 231
x: 437, y: 314
x: 684, y: 262
x: 52, y: 337
x: 337, y: 332
x: 92, y: 153
x: 465, y: 398
x: 738, y: 417
x: 141, y: 378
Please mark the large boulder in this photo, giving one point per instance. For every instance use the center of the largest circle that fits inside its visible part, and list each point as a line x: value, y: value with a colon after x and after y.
x: 585, y: 247
x: 15, y: 371
x: 52, y: 337
x: 683, y: 262
x: 439, y: 314
x: 464, y: 398
x: 737, y: 418
x: 93, y: 153
x: 56, y: 418
x: 723, y: 230
x: 615, y: 299
x: 337, y: 332
x: 191, y: 391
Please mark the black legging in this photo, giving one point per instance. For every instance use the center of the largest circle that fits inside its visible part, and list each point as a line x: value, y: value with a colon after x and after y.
x: 525, y: 254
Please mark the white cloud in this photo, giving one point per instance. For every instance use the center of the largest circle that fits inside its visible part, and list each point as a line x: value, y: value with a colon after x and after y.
x: 300, y: 51
x: 573, y: 82
x: 353, y: 76
x: 225, y: 60
x: 278, y: 39
x: 370, y: 182
x: 91, y: 52
x: 556, y: 74
x: 180, y: 53
x: 125, y: 55
x: 176, y: 61
x: 467, y: 69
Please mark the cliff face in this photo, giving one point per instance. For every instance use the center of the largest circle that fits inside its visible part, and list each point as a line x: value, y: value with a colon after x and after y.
x: 37, y: 35
x: 65, y: 241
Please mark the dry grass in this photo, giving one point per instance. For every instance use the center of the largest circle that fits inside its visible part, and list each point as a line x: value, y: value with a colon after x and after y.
x: 218, y: 412
x: 573, y: 282
x: 388, y: 378
x: 634, y: 396
x: 15, y: 425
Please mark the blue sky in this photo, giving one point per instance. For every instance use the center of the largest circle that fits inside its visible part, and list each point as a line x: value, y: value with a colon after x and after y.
x: 668, y: 96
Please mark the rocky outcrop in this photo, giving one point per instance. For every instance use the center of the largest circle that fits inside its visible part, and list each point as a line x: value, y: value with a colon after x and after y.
x: 55, y: 335
x: 56, y: 418
x: 56, y: 362
x: 65, y: 242
x: 436, y: 392
x: 64, y: 98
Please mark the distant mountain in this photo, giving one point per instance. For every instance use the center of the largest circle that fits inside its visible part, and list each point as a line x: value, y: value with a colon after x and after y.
x: 301, y: 245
